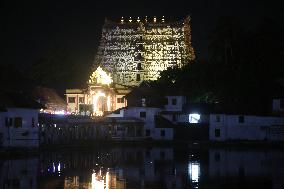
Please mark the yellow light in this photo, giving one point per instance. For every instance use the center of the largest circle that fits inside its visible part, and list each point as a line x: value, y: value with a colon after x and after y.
x: 155, y: 19
x: 96, y: 182
x: 122, y: 20
x: 130, y: 19
x: 95, y: 102
x: 138, y: 19
x: 108, y: 103
x: 100, y: 77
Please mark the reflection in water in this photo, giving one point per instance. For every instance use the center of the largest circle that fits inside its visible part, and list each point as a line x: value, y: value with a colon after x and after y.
x: 100, y: 181
x: 194, y: 172
x: 146, y: 168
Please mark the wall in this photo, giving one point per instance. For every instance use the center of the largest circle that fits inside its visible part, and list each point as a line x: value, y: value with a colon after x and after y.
x: 74, y: 107
x: 155, y: 133
x: 117, y: 104
x: 180, y: 100
x: 253, y: 127
x: 276, y: 105
x: 25, y: 136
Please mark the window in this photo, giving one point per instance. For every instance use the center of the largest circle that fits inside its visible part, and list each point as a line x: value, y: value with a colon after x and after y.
x: 33, y: 122
x: 71, y: 99
x: 174, y: 117
x: 174, y: 101
x: 162, y: 155
x: 120, y: 100
x: 143, y: 102
x: 81, y: 100
x: 162, y: 133
x: 143, y: 114
x: 217, y: 118
x: 139, y: 66
x: 8, y: 122
x: 217, y: 157
x: 148, y: 132
x: 241, y: 119
x: 140, y: 47
x: 138, y: 77
x: 282, y: 103
x: 217, y: 132
x: 18, y: 122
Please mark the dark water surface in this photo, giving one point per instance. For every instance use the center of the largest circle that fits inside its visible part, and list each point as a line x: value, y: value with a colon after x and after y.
x: 146, y: 168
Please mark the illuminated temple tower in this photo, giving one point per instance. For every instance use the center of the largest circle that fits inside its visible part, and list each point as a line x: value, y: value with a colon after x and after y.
x: 134, y: 50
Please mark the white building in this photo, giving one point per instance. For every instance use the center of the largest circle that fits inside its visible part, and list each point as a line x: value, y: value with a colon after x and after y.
x: 19, y: 127
x: 148, y: 116
x: 278, y: 105
x: 224, y: 127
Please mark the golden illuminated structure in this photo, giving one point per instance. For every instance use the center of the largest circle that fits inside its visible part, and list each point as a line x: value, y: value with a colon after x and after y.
x: 100, y: 97
x: 133, y: 50
x: 100, y: 77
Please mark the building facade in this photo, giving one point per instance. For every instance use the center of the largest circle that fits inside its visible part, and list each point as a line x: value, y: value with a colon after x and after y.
x: 225, y: 127
x: 19, y: 127
x: 101, y: 96
x: 134, y: 50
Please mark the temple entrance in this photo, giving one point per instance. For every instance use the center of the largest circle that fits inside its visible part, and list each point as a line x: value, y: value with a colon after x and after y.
x: 101, y: 103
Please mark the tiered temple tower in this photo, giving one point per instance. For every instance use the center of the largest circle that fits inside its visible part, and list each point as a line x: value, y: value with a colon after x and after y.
x: 137, y: 49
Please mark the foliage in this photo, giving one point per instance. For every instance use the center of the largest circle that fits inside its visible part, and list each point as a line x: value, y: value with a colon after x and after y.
x: 244, y: 68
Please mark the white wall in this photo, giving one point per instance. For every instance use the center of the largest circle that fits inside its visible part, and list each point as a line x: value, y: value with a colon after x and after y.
x: 253, y: 127
x: 120, y: 114
x: 276, y: 105
x: 155, y: 133
x: 74, y: 107
x: 119, y: 105
x: 180, y: 100
x: 25, y: 136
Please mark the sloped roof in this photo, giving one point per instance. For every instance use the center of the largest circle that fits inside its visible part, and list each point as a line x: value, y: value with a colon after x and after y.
x: 49, y: 98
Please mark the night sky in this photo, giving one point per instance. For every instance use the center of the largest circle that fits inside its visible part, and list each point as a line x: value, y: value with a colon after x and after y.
x: 28, y: 28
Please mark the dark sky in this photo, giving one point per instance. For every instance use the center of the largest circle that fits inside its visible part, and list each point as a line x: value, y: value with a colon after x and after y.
x: 29, y: 28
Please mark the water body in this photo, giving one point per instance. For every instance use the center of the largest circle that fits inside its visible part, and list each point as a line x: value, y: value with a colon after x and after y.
x: 146, y: 168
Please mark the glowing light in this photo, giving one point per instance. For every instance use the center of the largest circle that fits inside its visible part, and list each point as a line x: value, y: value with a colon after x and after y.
x: 95, y: 103
x: 194, y: 171
x: 155, y: 19
x: 108, y: 103
x: 59, y: 112
x: 138, y: 19
x: 100, y: 77
x: 194, y: 118
x: 53, y: 167
x: 163, y: 19
x: 99, y: 181
x: 122, y: 20
x: 96, y: 183
x: 130, y: 19
x: 59, y: 167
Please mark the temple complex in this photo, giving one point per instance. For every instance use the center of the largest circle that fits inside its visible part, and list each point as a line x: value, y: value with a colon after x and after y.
x: 131, y: 51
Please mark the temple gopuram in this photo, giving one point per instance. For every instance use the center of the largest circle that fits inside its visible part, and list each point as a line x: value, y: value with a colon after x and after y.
x: 133, y: 50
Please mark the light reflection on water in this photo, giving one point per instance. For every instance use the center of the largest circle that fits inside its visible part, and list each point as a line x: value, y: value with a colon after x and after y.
x: 146, y: 168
